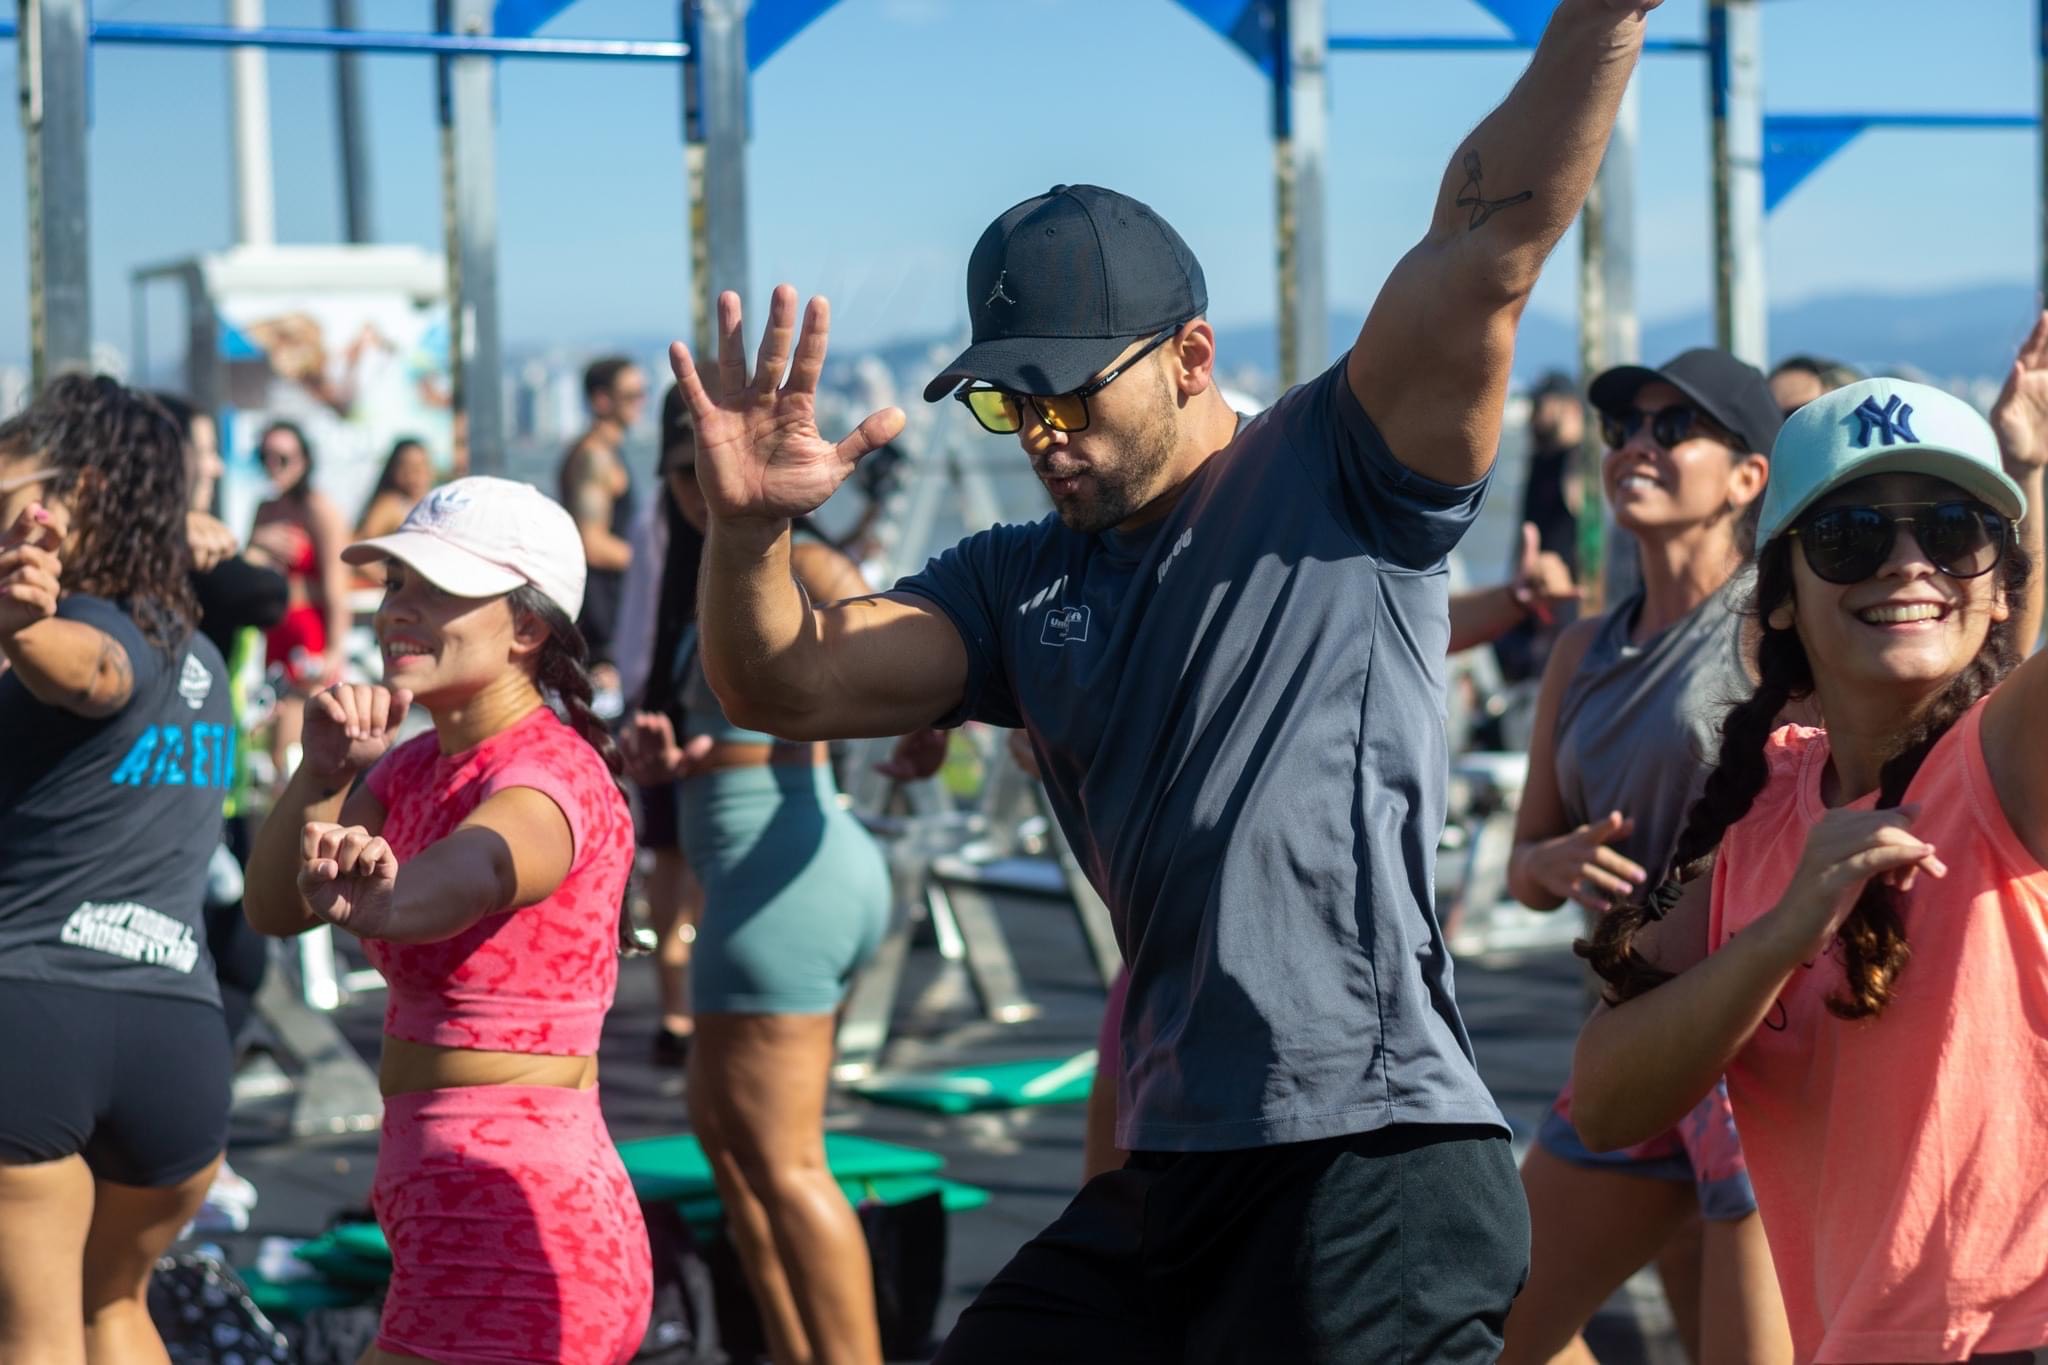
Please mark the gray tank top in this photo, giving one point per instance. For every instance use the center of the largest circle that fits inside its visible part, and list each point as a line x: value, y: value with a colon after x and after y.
x: 1640, y: 725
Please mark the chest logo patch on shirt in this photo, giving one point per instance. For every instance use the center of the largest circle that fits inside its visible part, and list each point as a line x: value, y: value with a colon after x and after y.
x: 194, y: 682
x: 1064, y: 626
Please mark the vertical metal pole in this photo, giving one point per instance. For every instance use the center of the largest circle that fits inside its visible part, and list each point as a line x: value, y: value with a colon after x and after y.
x: 470, y: 197
x: 1300, y: 140
x: 249, y: 89
x: 2041, y: 47
x: 52, y: 47
x: 703, y: 328
x: 718, y: 206
x: 1608, y: 335
x: 1735, y: 73
x: 355, y: 149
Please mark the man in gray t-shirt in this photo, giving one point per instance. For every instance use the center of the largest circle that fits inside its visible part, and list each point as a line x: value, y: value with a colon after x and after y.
x: 1227, y: 647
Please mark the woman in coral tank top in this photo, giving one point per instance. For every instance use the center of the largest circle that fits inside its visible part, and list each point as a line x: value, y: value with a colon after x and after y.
x: 483, y: 864
x: 1867, y: 959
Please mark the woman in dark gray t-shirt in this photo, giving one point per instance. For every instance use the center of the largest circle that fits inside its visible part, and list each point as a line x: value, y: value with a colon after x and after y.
x: 1626, y: 726
x: 119, y: 750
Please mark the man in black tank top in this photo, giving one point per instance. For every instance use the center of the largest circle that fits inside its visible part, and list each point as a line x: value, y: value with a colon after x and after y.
x: 597, y: 488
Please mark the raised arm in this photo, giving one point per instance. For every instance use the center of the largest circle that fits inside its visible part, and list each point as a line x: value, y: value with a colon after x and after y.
x: 66, y: 664
x: 348, y: 728
x: 1431, y: 364
x: 2021, y: 419
x: 778, y: 660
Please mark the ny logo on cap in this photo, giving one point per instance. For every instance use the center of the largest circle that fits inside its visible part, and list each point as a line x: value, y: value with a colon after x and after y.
x: 997, y: 294
x: 1891, y: 423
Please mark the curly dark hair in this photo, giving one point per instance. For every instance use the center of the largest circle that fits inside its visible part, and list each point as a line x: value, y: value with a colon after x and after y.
x: 1872, y: 941
x: 118, y: 460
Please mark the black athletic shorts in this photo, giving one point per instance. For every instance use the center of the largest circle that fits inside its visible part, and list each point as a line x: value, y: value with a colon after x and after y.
x: 137, y: 1084
x: 1405, y: 1244
x: 655, y: 812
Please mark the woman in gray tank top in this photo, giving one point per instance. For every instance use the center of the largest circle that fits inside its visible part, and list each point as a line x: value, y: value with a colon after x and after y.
x: 1627, y: 724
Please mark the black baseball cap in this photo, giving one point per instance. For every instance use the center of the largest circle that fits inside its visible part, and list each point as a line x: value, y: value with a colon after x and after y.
x: 1060, y: 284
x: 1735, y: 394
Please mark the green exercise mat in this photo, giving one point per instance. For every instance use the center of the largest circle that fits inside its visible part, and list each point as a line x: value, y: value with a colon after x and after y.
x: 966, y: 1089
x: 361, y: 1239
x: 705, y: 1212
x: 674, y: 1168
x: 344, y: 1263
x: 296, y: 1298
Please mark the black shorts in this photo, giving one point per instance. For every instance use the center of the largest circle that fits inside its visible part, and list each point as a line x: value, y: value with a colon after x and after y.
x: 654, y: 809
x: 137, y: 1084
x: 1406, y: 1244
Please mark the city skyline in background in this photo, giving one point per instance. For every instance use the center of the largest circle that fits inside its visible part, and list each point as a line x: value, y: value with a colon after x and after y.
x: 887, y: 135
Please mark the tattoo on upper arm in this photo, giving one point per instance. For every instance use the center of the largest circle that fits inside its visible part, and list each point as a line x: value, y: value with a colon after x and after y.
x: 1473, y: 196
x: 112, y: 678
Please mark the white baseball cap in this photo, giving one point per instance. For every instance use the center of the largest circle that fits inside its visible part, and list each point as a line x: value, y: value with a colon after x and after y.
x: 1883, y: 426
x: 479, y: 537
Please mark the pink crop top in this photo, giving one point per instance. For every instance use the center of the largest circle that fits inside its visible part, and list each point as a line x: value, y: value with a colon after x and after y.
x: 538, y: 979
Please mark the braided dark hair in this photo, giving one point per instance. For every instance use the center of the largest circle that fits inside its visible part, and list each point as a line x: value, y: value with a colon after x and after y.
x: 128, y: 516
x: 1872, y: 940
x: 561, y: 673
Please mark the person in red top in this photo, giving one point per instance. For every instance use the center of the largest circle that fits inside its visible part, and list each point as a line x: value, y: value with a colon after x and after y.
x: 1868, y: 961
x: 483, y: 864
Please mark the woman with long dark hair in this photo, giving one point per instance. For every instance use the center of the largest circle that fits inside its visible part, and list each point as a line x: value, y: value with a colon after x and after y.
x: 658, y: 603
x: 119, y: 751
x: 407, y: 476
x: 796, y: 898
x: 483, y: 865
x: 301, y: 533
x: 1630, y: 702
x: 1853, y: 929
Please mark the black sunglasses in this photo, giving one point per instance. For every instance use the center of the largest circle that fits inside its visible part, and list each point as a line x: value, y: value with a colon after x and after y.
x: 1850, y: 544
x: 1002, y: 412
x: 1668, y: 426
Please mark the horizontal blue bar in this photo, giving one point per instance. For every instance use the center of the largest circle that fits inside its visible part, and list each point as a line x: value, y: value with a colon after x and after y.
x: 1359, y: 42
x: 1860, y: 121
x: 357, y: 40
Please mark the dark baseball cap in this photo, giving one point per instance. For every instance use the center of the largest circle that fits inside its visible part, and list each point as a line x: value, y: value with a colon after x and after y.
x: 1736, y: 395
x: 1062, y: 283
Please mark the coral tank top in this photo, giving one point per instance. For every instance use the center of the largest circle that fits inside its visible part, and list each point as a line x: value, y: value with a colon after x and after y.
x: 1901, y: 1163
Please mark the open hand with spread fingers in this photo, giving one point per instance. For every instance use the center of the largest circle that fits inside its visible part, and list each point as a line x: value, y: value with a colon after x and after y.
x: 759, y: 453
x: 349, y: 727
x: 347, y: 876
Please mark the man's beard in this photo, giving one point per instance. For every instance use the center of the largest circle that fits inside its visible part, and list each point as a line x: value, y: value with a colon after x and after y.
x: 1124, y: 487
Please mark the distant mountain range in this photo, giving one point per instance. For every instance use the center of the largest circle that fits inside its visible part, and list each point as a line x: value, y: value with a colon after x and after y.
x: 1958, y: 334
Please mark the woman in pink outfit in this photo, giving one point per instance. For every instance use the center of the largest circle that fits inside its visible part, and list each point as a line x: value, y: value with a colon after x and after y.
x: 1857, y: 931
x: 483, y: 864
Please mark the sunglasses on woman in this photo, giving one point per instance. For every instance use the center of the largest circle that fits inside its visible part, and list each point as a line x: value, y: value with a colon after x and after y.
x: 1850, y: 544
x: 1668, y: 426
x: 1002, y: 412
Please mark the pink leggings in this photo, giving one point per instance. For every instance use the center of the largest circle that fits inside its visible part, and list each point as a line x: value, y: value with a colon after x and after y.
x: 514, y: 1232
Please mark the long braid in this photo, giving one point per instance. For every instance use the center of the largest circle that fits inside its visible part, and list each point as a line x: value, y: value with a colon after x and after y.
x: 1739, y: 774
x: 560, y: 672
x: 1873, y: 937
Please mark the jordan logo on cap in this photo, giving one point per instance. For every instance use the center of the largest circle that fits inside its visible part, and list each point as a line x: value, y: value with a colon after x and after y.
x: 1891, y: 423
x: 997, y: 294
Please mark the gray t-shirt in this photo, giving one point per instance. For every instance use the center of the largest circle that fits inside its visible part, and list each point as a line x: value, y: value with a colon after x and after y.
x: 1239, y: 713
x: 1639, y: 725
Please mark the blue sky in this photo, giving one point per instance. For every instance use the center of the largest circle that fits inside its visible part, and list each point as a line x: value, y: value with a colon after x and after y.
x: 889, y: 133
